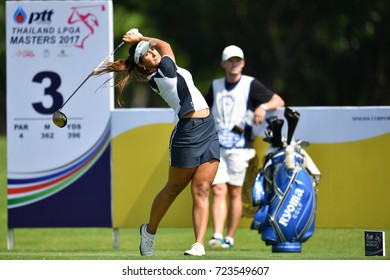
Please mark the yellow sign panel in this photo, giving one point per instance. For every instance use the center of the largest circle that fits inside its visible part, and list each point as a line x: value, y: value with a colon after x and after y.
x: 349, y: 145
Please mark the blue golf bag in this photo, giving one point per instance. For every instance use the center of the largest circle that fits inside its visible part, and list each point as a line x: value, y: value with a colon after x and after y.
x: 284, y: 189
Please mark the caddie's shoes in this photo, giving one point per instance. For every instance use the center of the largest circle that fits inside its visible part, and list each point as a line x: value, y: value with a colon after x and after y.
x: 218, y: 243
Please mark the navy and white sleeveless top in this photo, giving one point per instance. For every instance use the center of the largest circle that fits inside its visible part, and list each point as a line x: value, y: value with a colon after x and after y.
x: 176, y: 86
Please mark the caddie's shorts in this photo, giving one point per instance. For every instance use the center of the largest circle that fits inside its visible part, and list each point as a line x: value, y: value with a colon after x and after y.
x: 233, y: 165
x: 194, y: 141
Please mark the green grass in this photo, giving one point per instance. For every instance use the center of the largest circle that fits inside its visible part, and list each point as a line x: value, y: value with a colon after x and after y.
x: 97, y: 243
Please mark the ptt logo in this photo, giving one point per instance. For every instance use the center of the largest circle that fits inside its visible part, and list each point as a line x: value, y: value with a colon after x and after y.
x: 20, y: 16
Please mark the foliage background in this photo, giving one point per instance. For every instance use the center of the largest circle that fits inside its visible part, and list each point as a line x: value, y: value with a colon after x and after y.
x: 313, y: 53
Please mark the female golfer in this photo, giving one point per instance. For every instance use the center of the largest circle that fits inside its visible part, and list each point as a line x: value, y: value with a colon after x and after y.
x: 194, y: 147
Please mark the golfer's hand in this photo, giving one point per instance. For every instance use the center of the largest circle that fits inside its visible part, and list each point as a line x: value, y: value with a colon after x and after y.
x: 132, y: 38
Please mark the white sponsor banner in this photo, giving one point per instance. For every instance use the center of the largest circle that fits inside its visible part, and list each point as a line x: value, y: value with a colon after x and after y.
x: 52, y: 46
x: 336, y: 124
x: 316, y: 124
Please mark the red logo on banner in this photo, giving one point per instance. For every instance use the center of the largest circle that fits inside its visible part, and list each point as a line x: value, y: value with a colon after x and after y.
x: 24, y: 53
x: 20, y: 16
x: 89, y: 20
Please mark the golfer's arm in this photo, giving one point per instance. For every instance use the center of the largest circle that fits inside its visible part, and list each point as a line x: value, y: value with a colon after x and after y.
x: 164, y: 48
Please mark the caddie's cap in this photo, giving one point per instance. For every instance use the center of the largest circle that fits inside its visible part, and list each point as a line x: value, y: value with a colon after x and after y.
x: 232, y: 51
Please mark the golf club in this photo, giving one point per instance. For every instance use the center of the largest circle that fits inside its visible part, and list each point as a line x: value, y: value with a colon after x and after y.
x: 292, y: 118
x: 59, y: 118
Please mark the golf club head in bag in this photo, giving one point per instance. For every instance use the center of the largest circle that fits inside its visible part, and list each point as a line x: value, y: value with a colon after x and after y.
x: 276, y: 127
x: 292, y: 118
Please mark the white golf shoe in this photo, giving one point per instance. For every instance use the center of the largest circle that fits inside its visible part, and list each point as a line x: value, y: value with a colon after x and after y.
x: 146, y: 246
x: 197, y: 249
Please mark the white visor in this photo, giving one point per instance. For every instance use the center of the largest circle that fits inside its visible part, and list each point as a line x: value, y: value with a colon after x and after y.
x: 142, y: 48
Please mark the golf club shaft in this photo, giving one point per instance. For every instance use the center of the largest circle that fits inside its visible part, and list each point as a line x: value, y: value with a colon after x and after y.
x: 91, y: 74
x: 97, y: 67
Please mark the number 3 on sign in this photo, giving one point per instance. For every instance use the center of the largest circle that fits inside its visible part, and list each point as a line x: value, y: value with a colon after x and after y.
x: 51, y: 90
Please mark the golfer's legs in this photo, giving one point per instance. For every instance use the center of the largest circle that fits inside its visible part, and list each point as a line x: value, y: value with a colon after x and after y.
x: 178, y: 179
x: 201, y: 183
